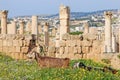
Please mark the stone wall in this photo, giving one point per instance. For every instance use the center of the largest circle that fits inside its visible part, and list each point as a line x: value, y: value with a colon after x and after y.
x: 77, y: 46
x: 15, y: 46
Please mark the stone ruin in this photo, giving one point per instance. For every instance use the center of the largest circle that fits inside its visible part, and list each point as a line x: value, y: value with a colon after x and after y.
x: 92, y: 44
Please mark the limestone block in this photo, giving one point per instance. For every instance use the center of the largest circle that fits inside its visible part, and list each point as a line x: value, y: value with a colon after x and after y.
x: 1, y: 49
x: 86, y: 43
x: 24, y: 49
x: 1, y: 43
x: 51, y: 54
x: 61, y: 50
x: 5, y: 49
x: 79, y: 50
x: 66, y: 36
x: 90, y: 36
x: 97, y: 43
x: 75, y: 50
x: 87, y: 50
x: 76, y: 37
x: 96, y: 50
x: 51, y: 49
x: 13, y: 55
x: 17, y: 55
x: 79, y: 43
x: 26, y: 43
x: 11, y: 49
x: 21, y: 56
x: 68, y: 43
x: 71, y: 49
x: 66, y: 50
x: 72, y: 37
x: 57, y: 50
x: 62, y: 43
x: 84, y: 50
x: 15, y: 43
x: 73, y: 43
x: 10, y: 43
x: 5, y: 43
x: 25, y: 57
x: 17, y: 49
x: 20, y: 43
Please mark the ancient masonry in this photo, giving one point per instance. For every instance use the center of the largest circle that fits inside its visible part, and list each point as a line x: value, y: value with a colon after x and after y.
x: 92, y: 44
x: 108, y: 32
x: 64, y: 20
x: 4, y: 21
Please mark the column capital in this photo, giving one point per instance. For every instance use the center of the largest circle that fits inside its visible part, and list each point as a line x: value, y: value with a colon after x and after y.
x: 4, y: 13
x: 108, y: 13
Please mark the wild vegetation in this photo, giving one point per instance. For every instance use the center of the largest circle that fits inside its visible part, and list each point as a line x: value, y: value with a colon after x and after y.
x: 11, y: 69
x: 75, y: 33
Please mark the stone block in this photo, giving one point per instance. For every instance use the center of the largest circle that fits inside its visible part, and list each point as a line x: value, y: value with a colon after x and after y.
x: 86, y: 43
x: 17, y: 55
x: 24, y: 49
x: 51, y: 50
x: 10, y: 42
x: 73, y: 43
x: 11, y: 49
x: 61, y: 50
x: 51, y: 54
x: 1, y: 43
x: 79, y: 50
x: 71, y: 49
x: 68, y: 43
x: 84, y: 50
x: 5, y: 49
x: 76, y: 37
x: 66, y: 50
x: 25, y: 57
x: 62, y: 43
x: 75, y: 50
x: 15, y: 43
x: 21, y: 56
x: 17, y: 49
x: 5, y: 43
x: 87, y: 50
x: 97, y: 43
x: 79, y: 43
x: 20, y: 43
x: 66, y: 36
x: 1, y: 49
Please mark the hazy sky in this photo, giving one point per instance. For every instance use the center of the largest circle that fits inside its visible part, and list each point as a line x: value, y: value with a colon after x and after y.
x: 34, y: 7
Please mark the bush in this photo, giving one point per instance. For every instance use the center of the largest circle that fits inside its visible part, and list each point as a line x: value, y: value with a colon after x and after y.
x: 75, y: 33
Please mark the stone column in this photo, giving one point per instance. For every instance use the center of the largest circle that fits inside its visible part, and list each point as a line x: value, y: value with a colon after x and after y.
x: 113, y: 44
x: 54, y: 31
x: 64, y: 20
x: 108, y: 32
x: 28, y: 27
x: 57, y: 40
x: 35, y: 25
x: 21, y: 24
x: 14, y: 30
x: 119, y: 40
x: 39, y: 29
x: 4, y: 14
x: 46, y: 34
x: 86, y: 28
x: 11, y: 28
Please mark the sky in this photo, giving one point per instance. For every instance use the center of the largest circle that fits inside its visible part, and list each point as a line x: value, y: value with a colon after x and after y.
x: 36, y: 7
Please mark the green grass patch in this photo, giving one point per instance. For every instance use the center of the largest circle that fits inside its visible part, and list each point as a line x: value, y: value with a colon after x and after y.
x: 11, y: 69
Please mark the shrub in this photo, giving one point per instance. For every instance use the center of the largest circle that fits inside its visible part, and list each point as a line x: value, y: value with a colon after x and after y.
x: 75, y: 33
